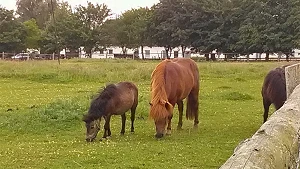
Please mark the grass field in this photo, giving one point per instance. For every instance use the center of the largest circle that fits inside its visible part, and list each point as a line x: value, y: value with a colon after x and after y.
x: 42, y: 103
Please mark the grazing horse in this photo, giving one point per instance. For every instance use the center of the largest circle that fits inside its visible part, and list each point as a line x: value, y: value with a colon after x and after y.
x: 274, y: 90
x: 172, y: 81
x: 115, y: 99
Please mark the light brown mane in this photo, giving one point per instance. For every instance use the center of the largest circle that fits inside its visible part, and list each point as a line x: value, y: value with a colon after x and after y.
x: 159, y: 96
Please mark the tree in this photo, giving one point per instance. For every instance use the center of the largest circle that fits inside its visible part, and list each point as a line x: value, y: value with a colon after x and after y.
x: 92, y: 17
x: 65, y: 33
x: 12, y: 32
x: 206, y: 21
x: 162, y: 26
x: 33, y: 34
x: 40, y: 10
x: 187, y: 23
x: 227, y: 34
x: 107, y: 33
x: 132, y: 29
x: 265, y: 29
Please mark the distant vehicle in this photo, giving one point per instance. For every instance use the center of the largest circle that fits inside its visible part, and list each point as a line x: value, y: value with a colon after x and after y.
x: 21, y: 56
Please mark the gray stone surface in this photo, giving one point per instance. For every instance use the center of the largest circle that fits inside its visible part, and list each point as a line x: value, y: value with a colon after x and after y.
x: 292, y: 77
x: 275, y: 145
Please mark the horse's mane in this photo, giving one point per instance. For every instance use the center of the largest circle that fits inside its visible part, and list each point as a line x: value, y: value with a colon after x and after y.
x: 99, y: 103
x: 159, y: 97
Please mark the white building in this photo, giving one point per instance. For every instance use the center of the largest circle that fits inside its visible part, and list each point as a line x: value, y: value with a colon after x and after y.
x: 111, y: 52
x: 149, y: 52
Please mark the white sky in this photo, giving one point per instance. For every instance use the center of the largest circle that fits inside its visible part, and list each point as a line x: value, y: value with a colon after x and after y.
x: 117, y: 6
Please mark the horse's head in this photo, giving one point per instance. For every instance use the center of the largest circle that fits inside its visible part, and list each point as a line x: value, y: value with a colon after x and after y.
x: 160, y: 125
x: 92, y: 129
x: 161, y: 113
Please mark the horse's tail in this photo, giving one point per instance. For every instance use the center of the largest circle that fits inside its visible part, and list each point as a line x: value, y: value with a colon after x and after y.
x: 192, y: 105
x: 192, y: 99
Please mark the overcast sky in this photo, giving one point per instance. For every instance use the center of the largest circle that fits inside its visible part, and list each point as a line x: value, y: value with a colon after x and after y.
x: 117, y: 6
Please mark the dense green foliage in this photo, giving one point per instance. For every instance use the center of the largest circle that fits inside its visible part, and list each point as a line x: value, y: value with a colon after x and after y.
x: 39, y: 10
x: 12, y: 32
x: 229, y: 26
x: 42, y: 104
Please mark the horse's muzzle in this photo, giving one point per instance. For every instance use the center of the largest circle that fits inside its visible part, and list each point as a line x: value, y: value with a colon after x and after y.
x: 159, y: 135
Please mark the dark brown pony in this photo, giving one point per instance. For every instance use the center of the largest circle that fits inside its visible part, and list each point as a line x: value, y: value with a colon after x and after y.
x: 274, y: 90
x: 171, y: 82
x: 115, y: 99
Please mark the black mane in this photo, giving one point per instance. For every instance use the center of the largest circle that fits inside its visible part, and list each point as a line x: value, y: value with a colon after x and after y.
x: 99, y: 103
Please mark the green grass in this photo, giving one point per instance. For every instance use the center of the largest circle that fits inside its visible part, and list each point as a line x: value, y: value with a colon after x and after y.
x: 42, y: 103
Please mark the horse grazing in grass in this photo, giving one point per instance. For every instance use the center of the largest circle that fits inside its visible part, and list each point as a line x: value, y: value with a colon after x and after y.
x: 274, y: 90
x: 171, y: 82
x: 115, y: 99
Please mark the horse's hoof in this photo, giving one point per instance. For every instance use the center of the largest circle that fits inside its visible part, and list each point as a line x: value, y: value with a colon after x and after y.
x: 196, y: 126
x: 122, y: 134
x: 179, y: 127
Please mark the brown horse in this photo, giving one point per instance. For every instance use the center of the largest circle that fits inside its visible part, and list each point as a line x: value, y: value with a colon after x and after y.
x: 274, y: 90
x: 171, y: 82
x: 115, y: 99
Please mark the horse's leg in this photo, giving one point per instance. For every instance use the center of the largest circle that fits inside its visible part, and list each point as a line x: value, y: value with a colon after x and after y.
x: 266, y: 104
x: 169, y: 125
x: 107, y: 127
x: 123, y: 123
x: 132, y: 118
x: 180, y: 109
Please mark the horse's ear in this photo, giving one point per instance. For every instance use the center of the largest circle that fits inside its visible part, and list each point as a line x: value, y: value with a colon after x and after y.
x: 162, y: 101
x: 169, y: 106
x: 86, y: 118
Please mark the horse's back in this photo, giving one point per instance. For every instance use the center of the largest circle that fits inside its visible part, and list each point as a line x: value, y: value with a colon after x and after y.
x: 189, y: 67
x: 126, y: 97
x: 127, y: 91
x: 181, y: 76
x: 274, y: 87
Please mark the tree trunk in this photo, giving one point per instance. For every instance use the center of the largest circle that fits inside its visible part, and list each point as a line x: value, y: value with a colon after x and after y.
x: 123, y: 50
x: 213, y: 56
x: 276, y: 144
x: 247, y: 57
x: 183, y: 48
x: 287, y: 57
x: 167, y: 51
x: 267, y: 56
x: 279, y: 56
x: 225, y: 57
x: 142, y: 50
x: 65, y: 56
x: 90, y: 53
x: 206, y: 55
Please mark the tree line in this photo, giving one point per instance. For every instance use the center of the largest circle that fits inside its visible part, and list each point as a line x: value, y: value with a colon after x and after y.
x: 227, y: 26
